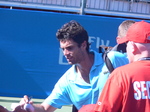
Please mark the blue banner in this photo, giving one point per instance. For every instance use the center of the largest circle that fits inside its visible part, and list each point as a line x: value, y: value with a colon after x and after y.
x: 30, y: 59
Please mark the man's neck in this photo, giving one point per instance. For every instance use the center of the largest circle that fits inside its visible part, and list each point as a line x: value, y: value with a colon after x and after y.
x: 83, y: 69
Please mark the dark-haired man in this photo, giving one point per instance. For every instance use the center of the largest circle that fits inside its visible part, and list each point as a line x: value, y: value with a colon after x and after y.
x: 84, y: 81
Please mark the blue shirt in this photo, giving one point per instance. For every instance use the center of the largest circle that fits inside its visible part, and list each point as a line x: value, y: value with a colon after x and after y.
x: 72, y: 89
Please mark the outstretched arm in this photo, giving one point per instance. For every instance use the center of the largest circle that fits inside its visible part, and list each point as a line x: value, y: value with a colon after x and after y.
x: 29, y: 106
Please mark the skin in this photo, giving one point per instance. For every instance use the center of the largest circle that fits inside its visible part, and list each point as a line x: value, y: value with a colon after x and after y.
x: 72, y: 52
x: 75, y: 55
x: 78, y: 56
x: 135, y: 51
x: 37, y: 107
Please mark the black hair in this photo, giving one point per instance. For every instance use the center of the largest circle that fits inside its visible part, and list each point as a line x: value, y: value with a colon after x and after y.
x: 73, y: 30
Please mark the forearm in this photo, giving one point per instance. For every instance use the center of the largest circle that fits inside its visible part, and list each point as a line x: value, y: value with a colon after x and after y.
x: 43, y: 108
x: 29, y: 106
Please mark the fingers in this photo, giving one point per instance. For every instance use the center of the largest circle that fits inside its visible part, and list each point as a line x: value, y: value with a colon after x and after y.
x: 25, y: 104
x: 24, y: 100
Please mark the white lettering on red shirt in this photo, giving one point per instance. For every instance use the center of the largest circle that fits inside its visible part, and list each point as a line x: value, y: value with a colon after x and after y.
x: 141, y: 90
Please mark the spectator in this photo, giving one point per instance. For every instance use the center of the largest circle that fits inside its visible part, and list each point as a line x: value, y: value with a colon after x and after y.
x: 122, y: 31
x: 128, y: 87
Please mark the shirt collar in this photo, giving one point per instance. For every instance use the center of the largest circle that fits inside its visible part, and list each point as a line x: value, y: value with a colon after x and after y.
x: 98, y: 60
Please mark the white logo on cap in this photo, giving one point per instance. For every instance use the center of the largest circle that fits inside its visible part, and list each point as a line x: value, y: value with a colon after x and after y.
x: 99, y: 103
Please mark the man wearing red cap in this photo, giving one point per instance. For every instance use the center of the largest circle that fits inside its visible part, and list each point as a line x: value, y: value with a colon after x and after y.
x: 128, y: 87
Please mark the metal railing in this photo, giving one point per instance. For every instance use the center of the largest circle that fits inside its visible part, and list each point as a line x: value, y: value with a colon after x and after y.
x: 108, y: 7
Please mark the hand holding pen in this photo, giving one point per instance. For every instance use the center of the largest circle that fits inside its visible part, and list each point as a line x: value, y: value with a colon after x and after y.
x: 27, y: 104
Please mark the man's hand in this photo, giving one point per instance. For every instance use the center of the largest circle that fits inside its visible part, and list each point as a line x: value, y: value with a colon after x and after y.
x: 27, y: 104
x: 25, y: 100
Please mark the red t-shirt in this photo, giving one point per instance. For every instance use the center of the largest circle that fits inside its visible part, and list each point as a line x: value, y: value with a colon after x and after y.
x: 127, y: 89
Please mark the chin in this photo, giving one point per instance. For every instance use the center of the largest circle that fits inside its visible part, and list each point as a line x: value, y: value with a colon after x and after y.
x: 71, y: 63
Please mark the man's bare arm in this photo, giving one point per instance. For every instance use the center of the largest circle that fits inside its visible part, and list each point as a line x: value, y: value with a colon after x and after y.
x: 43, y: 108
x: 36, y: 107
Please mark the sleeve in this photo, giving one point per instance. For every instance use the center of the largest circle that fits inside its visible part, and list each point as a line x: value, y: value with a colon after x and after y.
x: 59, y: 95
x: 118, y: 59
x: 111, y: 96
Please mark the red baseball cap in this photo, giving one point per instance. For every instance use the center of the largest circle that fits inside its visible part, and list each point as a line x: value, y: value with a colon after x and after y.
x: 87, y: 108
x: 139, y: 32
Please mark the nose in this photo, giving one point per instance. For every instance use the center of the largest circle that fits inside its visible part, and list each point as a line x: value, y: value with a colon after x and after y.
x: 65, y: 52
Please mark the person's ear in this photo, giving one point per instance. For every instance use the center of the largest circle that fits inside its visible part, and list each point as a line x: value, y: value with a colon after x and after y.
x: 133, y: 47
x: 117, y: 39
x: 84, y: 44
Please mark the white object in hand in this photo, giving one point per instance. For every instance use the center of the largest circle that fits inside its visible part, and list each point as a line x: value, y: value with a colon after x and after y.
x: 28, y: 107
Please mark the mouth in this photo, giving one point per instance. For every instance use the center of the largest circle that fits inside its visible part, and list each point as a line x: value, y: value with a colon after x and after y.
x: 69, y: 59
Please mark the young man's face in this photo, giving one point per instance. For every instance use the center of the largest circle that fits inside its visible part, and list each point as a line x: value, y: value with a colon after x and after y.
x: 73, y: 53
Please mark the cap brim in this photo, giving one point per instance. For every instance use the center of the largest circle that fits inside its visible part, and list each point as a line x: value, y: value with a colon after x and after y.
x: 87, y: 108
x: 122, y: 40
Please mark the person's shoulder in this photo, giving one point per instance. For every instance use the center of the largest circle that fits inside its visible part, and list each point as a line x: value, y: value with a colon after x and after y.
x: 68, y: 77
x: 70, y: 71
x: 119, y: 71
x: 98, y: 59
x: 95, y: 52
x: 118, y: 58
x: 127, y: 68
x: 116, y: 54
